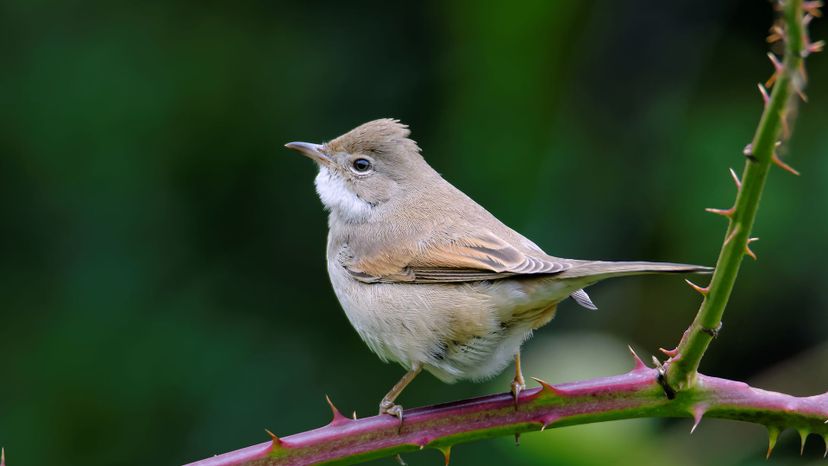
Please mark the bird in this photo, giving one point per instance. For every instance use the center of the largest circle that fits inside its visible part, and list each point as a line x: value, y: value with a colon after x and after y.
x: 429, y: 278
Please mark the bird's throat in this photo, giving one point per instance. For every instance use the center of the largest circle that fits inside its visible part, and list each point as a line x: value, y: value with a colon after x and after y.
x: 339, y: 199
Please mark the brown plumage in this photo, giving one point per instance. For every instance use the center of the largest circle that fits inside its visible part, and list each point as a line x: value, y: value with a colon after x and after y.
x: 428, y: 277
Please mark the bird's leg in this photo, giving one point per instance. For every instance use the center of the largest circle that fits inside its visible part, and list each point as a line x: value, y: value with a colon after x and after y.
x: 387, y: 405
x: 518, y: 384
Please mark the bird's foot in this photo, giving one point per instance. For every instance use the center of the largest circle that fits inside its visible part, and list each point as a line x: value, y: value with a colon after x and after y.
x: 518, y: 385
x: 388, y: 407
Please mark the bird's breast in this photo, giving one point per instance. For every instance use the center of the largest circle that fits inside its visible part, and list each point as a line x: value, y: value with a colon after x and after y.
x: 458, y: 330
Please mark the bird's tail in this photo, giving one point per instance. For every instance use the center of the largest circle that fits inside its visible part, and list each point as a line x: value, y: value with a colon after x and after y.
x: 585, y: 273
x: 599, y: 270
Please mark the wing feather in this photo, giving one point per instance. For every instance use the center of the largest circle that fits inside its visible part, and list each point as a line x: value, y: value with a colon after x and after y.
x: 472, y: 258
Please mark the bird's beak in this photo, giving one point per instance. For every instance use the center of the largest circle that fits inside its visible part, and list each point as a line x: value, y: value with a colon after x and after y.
x: 313, y: 151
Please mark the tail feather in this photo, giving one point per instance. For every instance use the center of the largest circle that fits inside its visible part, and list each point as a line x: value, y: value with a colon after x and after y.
x: 599, y: 270
x: 582, y: 298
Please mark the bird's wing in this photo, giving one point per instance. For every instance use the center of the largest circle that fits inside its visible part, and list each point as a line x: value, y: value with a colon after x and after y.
x: 483, y: 256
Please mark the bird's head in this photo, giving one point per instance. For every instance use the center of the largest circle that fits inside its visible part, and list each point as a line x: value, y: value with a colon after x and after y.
x: 365, y: 168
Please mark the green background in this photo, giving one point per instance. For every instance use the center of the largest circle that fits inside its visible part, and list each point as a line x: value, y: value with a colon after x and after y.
x: 163, y: 294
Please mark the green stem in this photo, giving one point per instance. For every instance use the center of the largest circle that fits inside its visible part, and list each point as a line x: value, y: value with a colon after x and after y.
x: 682, y: 368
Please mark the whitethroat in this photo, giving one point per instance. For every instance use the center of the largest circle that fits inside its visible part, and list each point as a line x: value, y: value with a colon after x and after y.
x: 428, y: 277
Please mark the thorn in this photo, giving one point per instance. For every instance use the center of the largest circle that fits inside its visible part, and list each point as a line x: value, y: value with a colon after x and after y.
x: 736, y: 179
x: 815, y: 47
x: 546, y: 421
x: 812, y: 8
x: 698, y: 413
x: 400, y: 461
x: 800, y: 93
x: 748, y: 152
x: 803, y: 437
x: 731, y: 235
x: 354, y: 416
x: 2, y: 457
x: 724, y: 212
x: 338, y: 418
x: 701, y: 290
x: 446, y: 451
x: 764, y: 92
x: 825, y: 439
x: 776, y: 34
x: 777, y: 68
x: 773, y: 435
x: 277, y: 442
x: 670, y: 353
x: 639, y: 364
x: 517, y: 439
x: 748, y: 251
x: 547, y: 387
x: 784, y: 166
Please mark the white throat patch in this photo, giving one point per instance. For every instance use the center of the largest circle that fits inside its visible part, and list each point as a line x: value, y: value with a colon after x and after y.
x: 338, y: 198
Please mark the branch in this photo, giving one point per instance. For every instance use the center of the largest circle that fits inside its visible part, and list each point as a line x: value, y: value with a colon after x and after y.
x: 635, y: 394
x: 760, y: 153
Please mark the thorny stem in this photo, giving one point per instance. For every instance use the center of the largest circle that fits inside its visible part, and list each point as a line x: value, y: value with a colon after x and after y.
x: 638, y: 393
x: 682, y: 368
x: 635, y: 394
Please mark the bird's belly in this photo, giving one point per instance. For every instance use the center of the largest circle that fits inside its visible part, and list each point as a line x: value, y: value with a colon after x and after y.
x: 457, y: 331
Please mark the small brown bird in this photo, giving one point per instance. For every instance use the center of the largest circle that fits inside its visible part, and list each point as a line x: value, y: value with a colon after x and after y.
x: 429, y: 278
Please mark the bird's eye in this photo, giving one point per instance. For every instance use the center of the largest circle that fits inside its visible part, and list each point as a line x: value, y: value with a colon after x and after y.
x: 361, y: 165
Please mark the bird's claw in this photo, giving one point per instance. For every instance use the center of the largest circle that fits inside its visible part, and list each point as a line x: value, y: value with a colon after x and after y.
x: 517, y: 387
x: 388, y: 407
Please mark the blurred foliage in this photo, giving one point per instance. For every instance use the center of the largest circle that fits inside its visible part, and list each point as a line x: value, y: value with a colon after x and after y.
x: 164, y: 295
